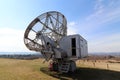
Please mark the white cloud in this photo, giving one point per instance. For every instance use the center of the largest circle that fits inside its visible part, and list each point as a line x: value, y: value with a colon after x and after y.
x: 72, y: 28
x: 109, y: 43
x: 99, y: 7
x: 11, y: 40
x: 104, y: 13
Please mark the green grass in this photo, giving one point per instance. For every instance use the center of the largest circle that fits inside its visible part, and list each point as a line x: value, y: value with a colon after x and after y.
x: 14, y: 69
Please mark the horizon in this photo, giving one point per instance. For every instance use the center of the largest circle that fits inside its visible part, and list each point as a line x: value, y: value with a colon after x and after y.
x: 98, y: 22
x: 115, y: 54
x: 39, y: 52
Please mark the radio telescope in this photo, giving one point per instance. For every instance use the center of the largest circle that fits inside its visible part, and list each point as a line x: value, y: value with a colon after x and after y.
x: 47, y: 34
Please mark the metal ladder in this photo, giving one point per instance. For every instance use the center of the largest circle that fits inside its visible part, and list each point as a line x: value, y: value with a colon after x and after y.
x: 65, y: 67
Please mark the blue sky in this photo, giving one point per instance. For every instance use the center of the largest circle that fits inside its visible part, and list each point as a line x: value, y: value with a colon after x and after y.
x: 98, y: 21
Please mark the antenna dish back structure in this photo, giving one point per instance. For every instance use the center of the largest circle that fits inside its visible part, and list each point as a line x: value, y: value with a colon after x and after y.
x: 52, y: 24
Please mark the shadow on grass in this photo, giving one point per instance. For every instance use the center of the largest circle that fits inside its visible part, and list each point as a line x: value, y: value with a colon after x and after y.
x: 84, y: 74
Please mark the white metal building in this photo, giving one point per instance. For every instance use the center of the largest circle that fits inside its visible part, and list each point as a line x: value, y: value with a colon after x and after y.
x: 75, y: 46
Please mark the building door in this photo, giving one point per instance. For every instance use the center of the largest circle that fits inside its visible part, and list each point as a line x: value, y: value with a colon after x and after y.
x: 73, y: 45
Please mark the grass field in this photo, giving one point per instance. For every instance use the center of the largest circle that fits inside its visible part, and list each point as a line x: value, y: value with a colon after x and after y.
x: 14, y: 69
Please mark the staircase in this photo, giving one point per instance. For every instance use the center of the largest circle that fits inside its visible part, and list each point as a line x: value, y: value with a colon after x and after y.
x: 64, y: 67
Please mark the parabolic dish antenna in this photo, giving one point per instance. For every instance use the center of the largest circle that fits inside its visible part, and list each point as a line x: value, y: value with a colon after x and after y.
x: 51, y: 24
